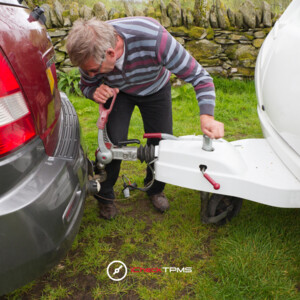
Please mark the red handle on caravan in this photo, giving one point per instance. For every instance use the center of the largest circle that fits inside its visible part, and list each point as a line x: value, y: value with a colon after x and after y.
x: 211, y: 181
x: 104, y: 113
x: 155, y: 135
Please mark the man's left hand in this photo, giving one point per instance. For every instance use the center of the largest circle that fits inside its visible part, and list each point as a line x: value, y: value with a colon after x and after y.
x: 211, y: 127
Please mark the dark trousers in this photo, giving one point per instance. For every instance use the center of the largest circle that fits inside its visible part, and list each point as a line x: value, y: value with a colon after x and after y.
x: 156, y: 112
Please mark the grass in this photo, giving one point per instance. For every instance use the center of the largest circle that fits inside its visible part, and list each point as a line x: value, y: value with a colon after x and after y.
x: 255, y: 256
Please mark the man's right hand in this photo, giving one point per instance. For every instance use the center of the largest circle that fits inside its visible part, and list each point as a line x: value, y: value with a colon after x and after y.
x: 104, y: 92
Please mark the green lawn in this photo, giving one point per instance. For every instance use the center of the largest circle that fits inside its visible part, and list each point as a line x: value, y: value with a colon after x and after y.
x: 255, y: 256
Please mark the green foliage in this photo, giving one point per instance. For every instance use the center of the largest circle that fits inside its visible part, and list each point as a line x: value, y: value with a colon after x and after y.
x: 68, y: 82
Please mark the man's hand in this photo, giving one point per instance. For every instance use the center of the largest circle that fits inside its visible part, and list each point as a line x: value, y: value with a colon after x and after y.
x: 211, y: 127
x: 104, y: 92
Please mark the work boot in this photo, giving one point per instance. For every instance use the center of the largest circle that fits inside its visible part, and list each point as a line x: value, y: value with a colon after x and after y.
x: 160, y: 202
x: 107, y: 210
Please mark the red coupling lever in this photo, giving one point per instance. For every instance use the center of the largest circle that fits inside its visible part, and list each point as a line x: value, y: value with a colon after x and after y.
x: 209, y: 179
x: 104, y: 113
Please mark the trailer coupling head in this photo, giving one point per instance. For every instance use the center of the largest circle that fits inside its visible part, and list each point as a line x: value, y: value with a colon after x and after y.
x: 143, y: 153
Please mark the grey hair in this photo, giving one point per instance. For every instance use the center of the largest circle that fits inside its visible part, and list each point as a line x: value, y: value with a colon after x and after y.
x: 90, y: 39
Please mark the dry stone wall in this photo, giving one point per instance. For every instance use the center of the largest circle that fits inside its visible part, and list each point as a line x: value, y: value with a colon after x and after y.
x: 225, y: 42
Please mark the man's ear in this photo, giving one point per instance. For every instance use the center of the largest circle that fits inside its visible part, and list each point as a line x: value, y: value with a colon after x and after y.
x: 111, y: 52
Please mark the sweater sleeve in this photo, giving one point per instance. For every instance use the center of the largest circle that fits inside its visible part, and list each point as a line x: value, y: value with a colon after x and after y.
x: 88, y: 85
x: 179, y: 62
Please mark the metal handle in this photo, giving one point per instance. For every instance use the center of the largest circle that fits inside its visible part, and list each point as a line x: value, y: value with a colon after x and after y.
x: 211, y: 181
x: 104, y: 113
x: 161, y: 136
x: 207, y: 143
x: 215, y: 185
x: 104, y: 155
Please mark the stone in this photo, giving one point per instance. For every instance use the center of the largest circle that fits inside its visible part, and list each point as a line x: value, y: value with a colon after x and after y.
x: 210, y: 62
x: 55, y: 40
x: 67, y: 62
x: 188, y: 18
x: 247, y: 72
x: 128, y: 9
x: 113, y: 12
x: 213, y: 17
x: 47, y: 8
x: 231, y: 17
x: 59, y: 56
x: 239, y: 20
x: 257, y: 43
x: 203, y: 49
x: 174, y: 13
x: 248, y: 35
x: 249, y: 15
x: 224, y: 41
x: 259, y: 15
x: 226, y: 66
x: 267, y: 17
x: 136, y: 12
x: 67, y: 22
x: 236, y: 37
x: 246, y: 53
x: 201, y: 13
x: 66, y: 69
x: 275, y: 18
x: 86, y: 12
x: 246, y: 42
x: 180, y: 40
x: 100, y: 11
x: 179, y: 31
x: 57, y: 33
x: 259, y: 34
x: 61, y: 46
x: 247, y: 63
x: 210, y: 34
x: 53, y: 18
x: 231, y: 52
x: 223, y: 58
x: 165, y: 20
x: 197, y: 33
x: 58, y: 10
x: 237, y: 77
x: 74, y: 11
x: 216, y: 71
x: 222, y: 15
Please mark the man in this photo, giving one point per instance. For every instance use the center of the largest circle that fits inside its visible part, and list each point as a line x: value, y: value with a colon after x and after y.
x: 135, y: 57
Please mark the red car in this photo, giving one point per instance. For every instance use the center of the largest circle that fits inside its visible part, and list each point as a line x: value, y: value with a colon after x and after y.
x: 43, y: 168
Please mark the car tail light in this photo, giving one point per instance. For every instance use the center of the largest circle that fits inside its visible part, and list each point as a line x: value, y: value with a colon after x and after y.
x: 16, y: 123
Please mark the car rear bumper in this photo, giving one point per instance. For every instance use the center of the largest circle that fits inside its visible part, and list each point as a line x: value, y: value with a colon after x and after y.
x: 40, y: 217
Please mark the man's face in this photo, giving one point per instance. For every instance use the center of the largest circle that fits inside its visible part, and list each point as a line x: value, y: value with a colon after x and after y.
x: 92, y: 68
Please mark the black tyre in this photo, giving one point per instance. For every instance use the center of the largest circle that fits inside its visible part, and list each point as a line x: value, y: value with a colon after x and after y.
x: 219, y: 209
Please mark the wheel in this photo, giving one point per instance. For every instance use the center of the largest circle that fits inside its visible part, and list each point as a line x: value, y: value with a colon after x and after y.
x: 218, y: 209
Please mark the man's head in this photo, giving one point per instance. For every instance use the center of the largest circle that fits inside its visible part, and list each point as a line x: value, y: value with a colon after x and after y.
x: 89, y: 41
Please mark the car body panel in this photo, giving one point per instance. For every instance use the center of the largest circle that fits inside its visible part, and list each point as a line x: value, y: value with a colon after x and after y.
x: 34, y: 66
x: 35, y: 230
x: 43, y: 183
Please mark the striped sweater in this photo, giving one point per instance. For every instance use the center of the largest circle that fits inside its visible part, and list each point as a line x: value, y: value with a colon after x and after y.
x: 151, y: 55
